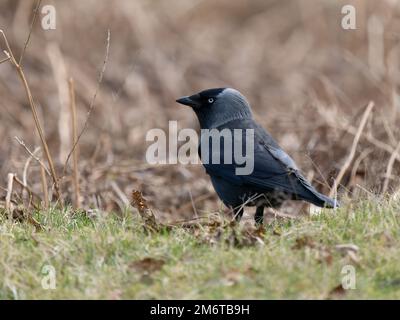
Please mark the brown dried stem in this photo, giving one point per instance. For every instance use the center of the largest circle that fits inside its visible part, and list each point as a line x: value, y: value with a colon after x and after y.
x: 44, y: 187
x: 4, y: 60
x: 32, y: 154
x: 10, y: 180
x: 92, y: 104
x: 74, y: 140
x: 35, y: 116
x: 389, y: 168
x: 25, y: 174
x: 350, y: 157
x: 140, y: 203
x: 35, y: 13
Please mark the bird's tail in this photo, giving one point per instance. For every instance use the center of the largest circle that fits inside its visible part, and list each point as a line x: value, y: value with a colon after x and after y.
x: 317, y: 198
x: 322, y: 200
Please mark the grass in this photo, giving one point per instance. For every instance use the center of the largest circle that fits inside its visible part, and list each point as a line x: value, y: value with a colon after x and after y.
x: 113, y: 257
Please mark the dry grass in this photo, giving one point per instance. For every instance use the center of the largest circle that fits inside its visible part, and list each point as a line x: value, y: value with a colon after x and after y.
x: 111, y: 257
x: 307, y: 79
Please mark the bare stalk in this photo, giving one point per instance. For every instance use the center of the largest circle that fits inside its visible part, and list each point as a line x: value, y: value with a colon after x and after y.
x: 348, y: 128
x: 32, y: 154
x: 35, y: 116
x: 10, y: 179
x: 389, y: 168
x: 121, y: 195
x: 74, y: 140
x: 27, y: 188
x: 25, y: 174
x: 353, y: 149
x: 35, y: 13
x: 60, y: 76
x: 44, y: 188
x: 92, y: 104
x: 4, y: 60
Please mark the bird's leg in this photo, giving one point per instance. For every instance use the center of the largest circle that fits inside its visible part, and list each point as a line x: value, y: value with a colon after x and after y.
x: 238, y: 213
x: 259, y: 216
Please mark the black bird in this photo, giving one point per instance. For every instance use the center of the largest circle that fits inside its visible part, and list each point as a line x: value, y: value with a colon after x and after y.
x: 275, y: 176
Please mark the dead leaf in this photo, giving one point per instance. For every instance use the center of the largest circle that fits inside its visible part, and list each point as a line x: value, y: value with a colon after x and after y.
x: 115, y: 294
x: 353, y: 257
x: 323, y: 254
x: 349, y: 250
x: 344, y: 248
x: 337, y: 292
x: 147, y: 265
x: 234, y: 276
x: 387, y: 239
x: 140, y: 203
x: 277, y: 232
x: 260, y: 231
x: 304, y: 241
x: 231, y: 278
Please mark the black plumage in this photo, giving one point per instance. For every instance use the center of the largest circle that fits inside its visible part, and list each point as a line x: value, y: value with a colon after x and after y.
x: 275, y: 176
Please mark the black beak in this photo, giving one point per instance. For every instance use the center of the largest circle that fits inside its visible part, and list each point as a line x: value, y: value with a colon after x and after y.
x: 191, y: 101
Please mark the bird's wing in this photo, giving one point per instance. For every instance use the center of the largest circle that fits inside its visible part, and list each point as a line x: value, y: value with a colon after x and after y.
x: 274, y: 170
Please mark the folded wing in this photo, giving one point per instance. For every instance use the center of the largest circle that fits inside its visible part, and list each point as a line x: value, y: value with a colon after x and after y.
x: 274, y: 170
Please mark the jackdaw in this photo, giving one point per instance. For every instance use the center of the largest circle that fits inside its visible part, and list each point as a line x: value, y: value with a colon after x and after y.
x: 274, y: 176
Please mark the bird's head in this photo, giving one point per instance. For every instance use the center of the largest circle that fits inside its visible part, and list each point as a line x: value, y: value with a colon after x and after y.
x: 215, y: 107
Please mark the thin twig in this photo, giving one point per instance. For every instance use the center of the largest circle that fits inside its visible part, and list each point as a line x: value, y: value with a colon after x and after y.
x: 193, y: 204
x: 121, y: 195
x: 32, y: 154
x: 30, y: 219
x: 200, y: 198
x: 26, y: 187
x: 25, y: 173
x: 44, y: 188
x: 10, y: 179
x: 348, y: 128
x: 26, y: 166
x: 92, y: 104
x: 5, y: 60
x: 353, y: 149
x: 35, y: 13
x: 61, y: 78
x: 358, y: 162
x: 325, y: 182
x: 389, y: 168
x: 35, y: 116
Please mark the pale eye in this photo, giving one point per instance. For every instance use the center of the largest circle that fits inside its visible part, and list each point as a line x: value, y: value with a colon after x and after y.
x: 210, y: 100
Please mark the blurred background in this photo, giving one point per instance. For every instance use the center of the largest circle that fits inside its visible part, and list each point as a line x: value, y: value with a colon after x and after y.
x: 307, y: 79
